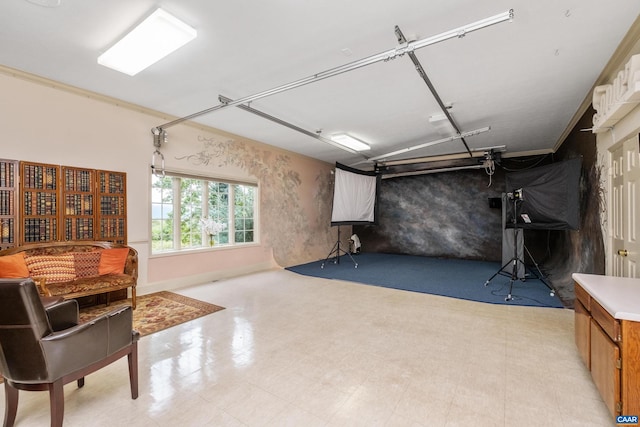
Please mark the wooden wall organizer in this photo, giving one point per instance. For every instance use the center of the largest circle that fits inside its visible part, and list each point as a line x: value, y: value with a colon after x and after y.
x: 39, y: 191
x: 8, y: 203
x: 46, y: 203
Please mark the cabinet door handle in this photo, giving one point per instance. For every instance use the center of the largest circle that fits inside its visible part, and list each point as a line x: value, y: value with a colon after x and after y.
x: 623, y: 252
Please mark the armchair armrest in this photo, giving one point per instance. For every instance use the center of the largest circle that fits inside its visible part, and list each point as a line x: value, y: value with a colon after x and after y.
x: 41, y: 284
x: 121, y: 333
x: 61, y: 349
x: 97, y: 338
x: 63, y: 315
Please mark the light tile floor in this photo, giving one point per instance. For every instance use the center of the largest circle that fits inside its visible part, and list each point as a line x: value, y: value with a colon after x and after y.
x: 291, y: 350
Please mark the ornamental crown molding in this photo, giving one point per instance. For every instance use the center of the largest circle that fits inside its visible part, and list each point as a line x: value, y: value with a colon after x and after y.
x: 614, y: 101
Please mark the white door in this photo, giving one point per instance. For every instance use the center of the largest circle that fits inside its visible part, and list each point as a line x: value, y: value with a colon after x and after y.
x: 625, y: 196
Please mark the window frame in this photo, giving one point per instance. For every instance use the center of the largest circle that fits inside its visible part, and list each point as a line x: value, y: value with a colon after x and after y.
x: 176, y: 206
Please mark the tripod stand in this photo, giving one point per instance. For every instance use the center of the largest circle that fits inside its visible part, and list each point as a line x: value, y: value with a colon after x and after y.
x: 335, y: 252
x: 516, y: 196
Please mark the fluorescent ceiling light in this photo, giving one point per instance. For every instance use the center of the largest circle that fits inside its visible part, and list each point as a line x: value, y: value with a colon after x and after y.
x: 442, y: 125
x: 350, y: 142
x: 156, y: 37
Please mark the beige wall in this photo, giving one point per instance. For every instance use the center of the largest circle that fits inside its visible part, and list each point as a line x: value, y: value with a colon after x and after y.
x: 43, y: 121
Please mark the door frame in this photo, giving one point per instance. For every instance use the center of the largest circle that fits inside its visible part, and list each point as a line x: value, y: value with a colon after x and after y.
x: 607, y: 142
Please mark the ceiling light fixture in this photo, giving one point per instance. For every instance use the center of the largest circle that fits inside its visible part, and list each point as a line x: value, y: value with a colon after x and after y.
x: 350, y: 142
x: 156, y: 37
x: 45, y: 3
x: 442, y: 125
x: 317, y: 134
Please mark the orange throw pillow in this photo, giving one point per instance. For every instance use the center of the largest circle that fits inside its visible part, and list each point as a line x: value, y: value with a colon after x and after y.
x: 86, y: 263
x: 54, y: 268
x: 13, y: 266
x: 112, y: 261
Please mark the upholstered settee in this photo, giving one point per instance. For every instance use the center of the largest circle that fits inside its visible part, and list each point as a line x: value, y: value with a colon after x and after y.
x: 74, y: 269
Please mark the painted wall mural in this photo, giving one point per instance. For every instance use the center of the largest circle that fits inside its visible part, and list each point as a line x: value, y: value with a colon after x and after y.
x: 443, y: 215
x: 295, y: 209
x: 576, y: 251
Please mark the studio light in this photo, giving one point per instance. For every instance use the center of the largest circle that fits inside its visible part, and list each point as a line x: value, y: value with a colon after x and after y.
x: 156, y: 37
x: 350, y: 142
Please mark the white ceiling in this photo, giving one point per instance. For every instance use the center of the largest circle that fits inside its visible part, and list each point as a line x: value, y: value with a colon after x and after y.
x: 525, y: 79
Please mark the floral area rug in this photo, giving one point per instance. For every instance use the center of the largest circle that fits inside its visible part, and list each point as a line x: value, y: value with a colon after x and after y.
x: 157, y: 311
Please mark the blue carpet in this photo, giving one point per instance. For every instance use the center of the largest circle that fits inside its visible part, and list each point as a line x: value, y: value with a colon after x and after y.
x: 464, y: 279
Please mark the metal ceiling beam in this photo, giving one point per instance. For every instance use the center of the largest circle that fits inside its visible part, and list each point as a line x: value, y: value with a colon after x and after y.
x: 428, y: 144
x: 425, y: 78
x: 225, y: 100
x: 443, y: 163
x: 383, y: 56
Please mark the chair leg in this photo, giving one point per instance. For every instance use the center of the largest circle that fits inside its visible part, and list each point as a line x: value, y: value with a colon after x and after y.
x: 56, y: 403
x: 11, y: 404
x: 133, y: 370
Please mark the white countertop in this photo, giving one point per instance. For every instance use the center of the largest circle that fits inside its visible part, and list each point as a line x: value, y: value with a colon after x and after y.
x: 620, y: 296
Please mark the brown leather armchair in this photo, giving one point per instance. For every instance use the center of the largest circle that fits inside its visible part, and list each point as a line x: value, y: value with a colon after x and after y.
x: 44, y: 349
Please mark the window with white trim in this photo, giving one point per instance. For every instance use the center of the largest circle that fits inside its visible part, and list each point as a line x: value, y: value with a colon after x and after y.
x: 192, y: 212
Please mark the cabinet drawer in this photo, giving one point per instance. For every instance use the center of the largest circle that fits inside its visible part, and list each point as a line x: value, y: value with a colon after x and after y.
x: 583, y: 296
x: 606, y: 321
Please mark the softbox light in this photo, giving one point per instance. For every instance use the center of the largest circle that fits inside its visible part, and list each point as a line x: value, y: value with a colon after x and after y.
x: 355, y: 196
x: 549, y: 196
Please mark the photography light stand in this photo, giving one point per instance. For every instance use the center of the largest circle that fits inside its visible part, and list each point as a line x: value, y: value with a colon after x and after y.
x: 336, y: 251
x: 541, y: 276
x: 517, y: 197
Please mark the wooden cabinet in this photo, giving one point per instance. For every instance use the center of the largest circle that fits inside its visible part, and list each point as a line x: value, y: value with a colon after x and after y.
x: 605, y: 367
x: 78, y: 196
x: 583, y: 332
x: 46, y: 203
x: 8, y: 203
x: 610, y: 347
x: 630, y: 361
x: 39, y: 192
x: 112, y: 199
